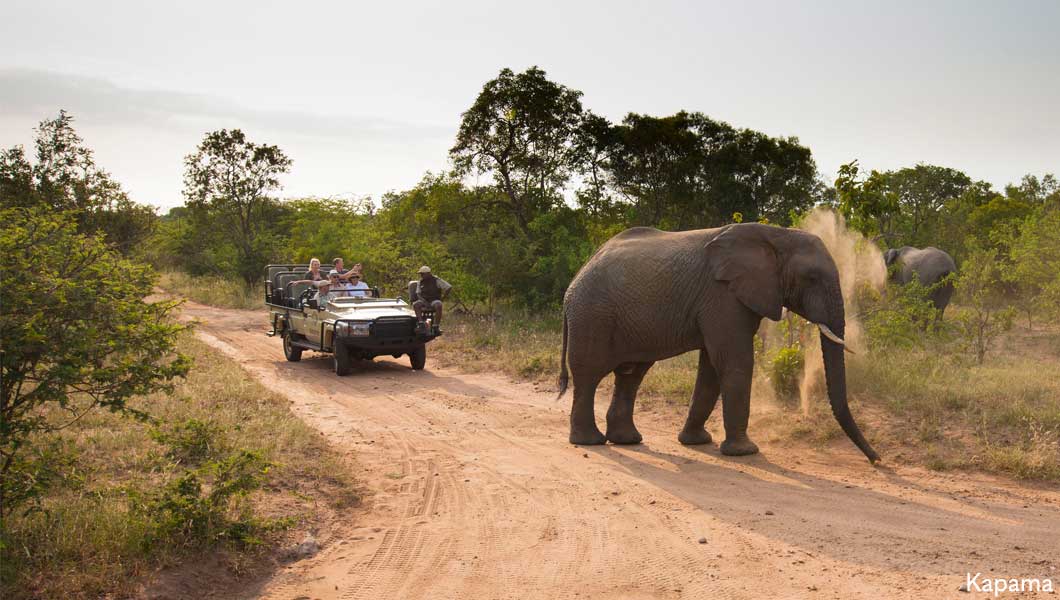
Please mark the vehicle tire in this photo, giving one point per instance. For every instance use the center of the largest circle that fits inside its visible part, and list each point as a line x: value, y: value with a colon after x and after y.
x: 418, y: 358
x: 292, y: 352
x: 343, y: 364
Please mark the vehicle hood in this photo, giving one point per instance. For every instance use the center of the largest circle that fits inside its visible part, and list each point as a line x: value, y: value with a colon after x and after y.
x: 369, y: 311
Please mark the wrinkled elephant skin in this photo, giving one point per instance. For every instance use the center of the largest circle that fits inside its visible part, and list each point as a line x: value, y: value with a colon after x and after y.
x: 647, y: 295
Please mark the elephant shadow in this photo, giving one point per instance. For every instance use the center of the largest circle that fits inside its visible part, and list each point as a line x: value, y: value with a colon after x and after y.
x: 845, y: 521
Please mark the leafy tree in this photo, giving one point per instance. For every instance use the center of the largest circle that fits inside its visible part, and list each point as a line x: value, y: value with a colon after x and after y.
x: 687, y: 170
x: 595, y: 141
x: 65, y: 177
x: 866, y: 204
x: 77, y: 335
x: 229, y: 180
x: 521, y: 130
x: 1035, y: 191
x: 657, y: 164
x: 980, y: 286
x: 1034, y: 252
x: 921, y: 192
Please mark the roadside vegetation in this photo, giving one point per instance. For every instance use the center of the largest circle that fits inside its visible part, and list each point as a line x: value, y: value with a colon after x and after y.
x: 125, y: 445
x: 213, y: 290
x: 219, y: 463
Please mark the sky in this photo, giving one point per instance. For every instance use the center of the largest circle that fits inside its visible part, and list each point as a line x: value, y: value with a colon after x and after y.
x: 366, y: 97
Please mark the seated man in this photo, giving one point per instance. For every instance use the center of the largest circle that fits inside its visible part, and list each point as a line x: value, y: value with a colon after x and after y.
x: 427, y: 293
x: 323, y: 292
x: 339, y: 288
x: 355, y: 287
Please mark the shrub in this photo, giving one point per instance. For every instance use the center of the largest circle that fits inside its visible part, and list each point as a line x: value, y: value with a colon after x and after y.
x: 785, y: 370
x: 899, y: 319
x: 196, y: 506
x: 980, y: 287
x: 77, y: 336
x: 192, y: 441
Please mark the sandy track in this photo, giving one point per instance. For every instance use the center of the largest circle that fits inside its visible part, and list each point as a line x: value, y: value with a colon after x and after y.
x: 475, y: 493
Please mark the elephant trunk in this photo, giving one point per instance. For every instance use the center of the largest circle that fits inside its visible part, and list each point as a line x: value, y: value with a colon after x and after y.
x: 836, y: 381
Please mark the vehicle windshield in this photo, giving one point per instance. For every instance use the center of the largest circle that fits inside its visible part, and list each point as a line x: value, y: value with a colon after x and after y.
x: 346, y: 300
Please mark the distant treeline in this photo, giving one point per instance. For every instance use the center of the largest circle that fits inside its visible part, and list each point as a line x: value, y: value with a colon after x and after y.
x: 559, y: 180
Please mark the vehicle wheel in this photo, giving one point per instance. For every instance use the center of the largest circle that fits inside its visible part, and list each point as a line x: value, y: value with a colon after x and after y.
x: 292, y: 352
x: 418, y: 358
x: 343, y: 364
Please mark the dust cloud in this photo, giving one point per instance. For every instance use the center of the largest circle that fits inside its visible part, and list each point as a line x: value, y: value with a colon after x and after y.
x: 860, y: 265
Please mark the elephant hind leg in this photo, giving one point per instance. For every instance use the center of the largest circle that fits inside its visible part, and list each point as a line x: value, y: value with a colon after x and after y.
x: 704, y: 398
x: 583, y: 429
x: 620, y: 427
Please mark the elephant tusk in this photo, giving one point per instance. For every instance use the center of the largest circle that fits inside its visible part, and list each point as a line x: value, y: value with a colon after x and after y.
x: 826, y: 332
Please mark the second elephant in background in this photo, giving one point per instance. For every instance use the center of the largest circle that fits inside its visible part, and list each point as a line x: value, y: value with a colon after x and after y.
x: 930, y: 266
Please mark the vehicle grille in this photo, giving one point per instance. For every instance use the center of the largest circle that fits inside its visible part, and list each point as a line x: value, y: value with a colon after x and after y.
x: 394, y: 327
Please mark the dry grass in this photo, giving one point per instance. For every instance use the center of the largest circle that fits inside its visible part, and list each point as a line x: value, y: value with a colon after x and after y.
x: 942, y: 412
x: 212, y: 290
x: 87, y: 542
x: 524, y: 346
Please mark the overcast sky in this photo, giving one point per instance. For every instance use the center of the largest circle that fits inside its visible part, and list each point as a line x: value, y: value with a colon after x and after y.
x: 366, y: 97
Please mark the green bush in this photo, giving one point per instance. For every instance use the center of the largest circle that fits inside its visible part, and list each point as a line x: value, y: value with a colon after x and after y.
x: 785, y: 371
x: 900, y: 318
x: 191, y: 442
x: 198, y: 506
x: 77, y: 336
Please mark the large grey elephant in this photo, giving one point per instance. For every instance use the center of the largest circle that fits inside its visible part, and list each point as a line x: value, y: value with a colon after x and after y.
x: 930, y: 266
x: 647, y: 295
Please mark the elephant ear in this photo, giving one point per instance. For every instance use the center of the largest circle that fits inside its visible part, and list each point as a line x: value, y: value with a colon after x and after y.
x: 749, y: 265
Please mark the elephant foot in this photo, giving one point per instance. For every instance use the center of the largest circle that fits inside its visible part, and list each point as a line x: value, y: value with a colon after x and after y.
x: 741, y: 446
x: 694, y: 437
x: 591, y: 437
x: 624, y: 435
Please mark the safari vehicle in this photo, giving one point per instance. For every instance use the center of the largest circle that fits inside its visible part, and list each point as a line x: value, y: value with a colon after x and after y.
x: 350, y: 328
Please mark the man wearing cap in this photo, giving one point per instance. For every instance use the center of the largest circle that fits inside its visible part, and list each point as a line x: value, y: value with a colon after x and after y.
x: 428, y: 293
x: 324, y: 290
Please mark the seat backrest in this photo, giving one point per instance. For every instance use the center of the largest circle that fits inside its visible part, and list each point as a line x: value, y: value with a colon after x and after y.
x: 275, y: 270
x: 295, y: 293
x: 280, y: 285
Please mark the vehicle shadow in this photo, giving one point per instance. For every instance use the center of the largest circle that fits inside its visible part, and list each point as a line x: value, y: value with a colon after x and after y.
x: 846, y: 522
x: 389, y: 369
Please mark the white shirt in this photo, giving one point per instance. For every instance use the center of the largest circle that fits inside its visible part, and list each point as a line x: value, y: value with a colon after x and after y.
x: 360, y: 285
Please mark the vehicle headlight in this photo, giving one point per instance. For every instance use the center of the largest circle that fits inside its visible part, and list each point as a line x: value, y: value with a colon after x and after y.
x: 360, y: 329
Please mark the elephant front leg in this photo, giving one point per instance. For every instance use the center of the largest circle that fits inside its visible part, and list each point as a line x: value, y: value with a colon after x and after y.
x: 620, y: 427
x: 704, y: 398
x: 736, y: 406
x: 583, y: 429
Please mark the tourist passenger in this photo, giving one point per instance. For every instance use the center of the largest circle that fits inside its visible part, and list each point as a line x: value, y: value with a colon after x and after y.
x: 323, y: 292
x: 313, y: 274
x: 356, y: 286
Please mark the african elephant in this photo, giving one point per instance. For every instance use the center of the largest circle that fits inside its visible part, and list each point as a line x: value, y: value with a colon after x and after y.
x: 647, y: 295
x: 930, y: 265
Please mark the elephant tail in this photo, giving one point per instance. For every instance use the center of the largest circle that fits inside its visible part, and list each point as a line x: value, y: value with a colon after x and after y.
x: 563, y: 377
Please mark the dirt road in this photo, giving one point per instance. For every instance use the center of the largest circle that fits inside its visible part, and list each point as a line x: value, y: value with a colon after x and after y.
x: 474, y: 492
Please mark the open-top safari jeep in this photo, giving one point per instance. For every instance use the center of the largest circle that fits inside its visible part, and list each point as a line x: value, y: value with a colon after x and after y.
x: 350, y: 328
